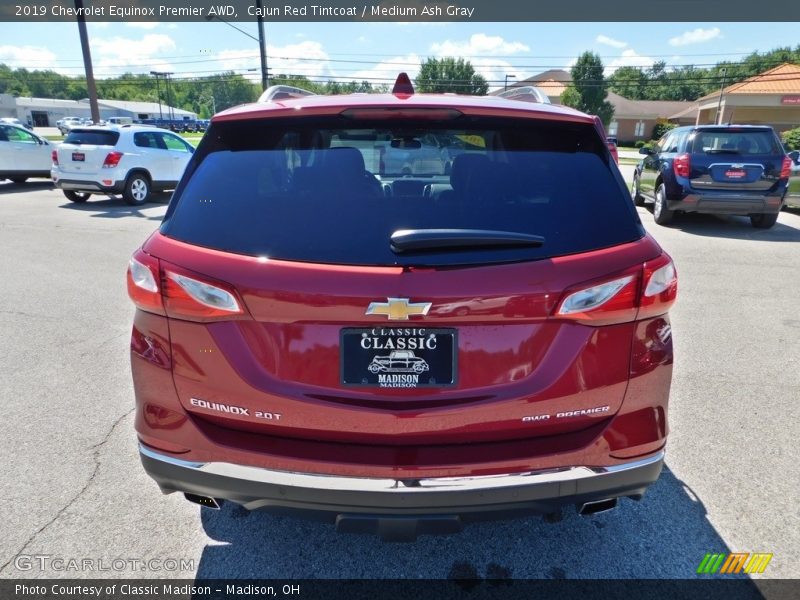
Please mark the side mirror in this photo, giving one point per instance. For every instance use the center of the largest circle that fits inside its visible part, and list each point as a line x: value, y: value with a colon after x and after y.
x: 795, y: 156
x: 646, y: 150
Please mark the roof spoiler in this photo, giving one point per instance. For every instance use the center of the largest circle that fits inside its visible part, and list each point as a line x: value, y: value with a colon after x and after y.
x: 275, y: 93
x: 526, y: 93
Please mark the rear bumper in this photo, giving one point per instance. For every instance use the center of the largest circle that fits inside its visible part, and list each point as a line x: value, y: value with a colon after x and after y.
x: 334, y: 498
x: 77, y: 185
x: 729, y: 203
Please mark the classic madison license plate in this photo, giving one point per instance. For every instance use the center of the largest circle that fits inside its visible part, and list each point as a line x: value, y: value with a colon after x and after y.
x: 398, y: 357
x: 78, y: 157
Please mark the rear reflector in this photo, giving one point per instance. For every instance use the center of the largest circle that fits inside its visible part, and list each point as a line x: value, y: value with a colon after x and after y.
x: 682, y: 166
x: 112, y: 160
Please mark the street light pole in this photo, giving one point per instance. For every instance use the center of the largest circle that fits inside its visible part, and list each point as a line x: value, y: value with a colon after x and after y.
x: 165, y: 75
x: 505, y: 85
x: 156, y: 74
x: 719, y: 103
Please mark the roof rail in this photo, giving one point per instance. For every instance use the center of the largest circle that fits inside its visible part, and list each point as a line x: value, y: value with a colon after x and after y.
x: 526, y: 93
x: 283, y: 92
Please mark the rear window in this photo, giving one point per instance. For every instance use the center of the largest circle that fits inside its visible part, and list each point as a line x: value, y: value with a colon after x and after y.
x: 334, y: 191
x: 744, y: 143
x: 91, y: 137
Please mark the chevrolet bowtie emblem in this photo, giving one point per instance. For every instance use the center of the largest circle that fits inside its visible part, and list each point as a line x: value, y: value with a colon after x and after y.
x: 398, y: 309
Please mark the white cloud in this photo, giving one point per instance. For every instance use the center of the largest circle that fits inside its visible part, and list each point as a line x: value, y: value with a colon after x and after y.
x: 695, y: 36
x: 386, y: 71
x: 303, y: 58
x: 629, y: 58
x: 142, y: 24
x: 478, y: 44
x: 31, y: 57
x: 120, y: 54
x: 609, y: 41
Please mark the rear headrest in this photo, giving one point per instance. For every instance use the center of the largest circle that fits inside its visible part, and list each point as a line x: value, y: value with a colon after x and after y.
x: 467, y: 167
x: 345, y: 162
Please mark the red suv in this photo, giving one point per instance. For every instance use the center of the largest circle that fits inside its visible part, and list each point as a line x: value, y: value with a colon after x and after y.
x: 294, y: 262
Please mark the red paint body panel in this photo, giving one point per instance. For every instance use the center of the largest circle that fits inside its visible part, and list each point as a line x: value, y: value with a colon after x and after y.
x: 515, y: 360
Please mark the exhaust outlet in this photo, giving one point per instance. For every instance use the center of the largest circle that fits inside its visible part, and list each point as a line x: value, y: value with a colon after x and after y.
x: 203, y: 501
x: 598, y: 506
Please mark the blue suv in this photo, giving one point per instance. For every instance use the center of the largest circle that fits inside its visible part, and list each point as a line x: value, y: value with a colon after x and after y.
x: 717, y: 169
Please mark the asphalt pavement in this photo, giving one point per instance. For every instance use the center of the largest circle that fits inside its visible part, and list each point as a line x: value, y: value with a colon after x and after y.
x: 73, y: 487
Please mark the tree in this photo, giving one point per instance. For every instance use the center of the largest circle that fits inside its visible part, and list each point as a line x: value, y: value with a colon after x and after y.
x: 589, y: 88
x: 456, y: 75
x: 628, y: 82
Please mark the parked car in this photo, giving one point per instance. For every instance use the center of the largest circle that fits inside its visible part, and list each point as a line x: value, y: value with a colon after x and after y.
x: 612, y: 148
x: 288, y: 280
x: 23, y: 154
x: 129, y: 160
x: 793, y: 195
x: 716, y: 169
x: 67, y: 123
x: 15, y: 121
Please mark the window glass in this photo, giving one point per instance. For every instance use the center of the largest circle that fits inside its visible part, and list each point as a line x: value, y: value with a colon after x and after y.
x: 312, y: 190
x: 173, y: 142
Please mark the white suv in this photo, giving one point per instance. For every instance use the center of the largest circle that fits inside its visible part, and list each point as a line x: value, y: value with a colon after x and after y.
x: 129, y: 160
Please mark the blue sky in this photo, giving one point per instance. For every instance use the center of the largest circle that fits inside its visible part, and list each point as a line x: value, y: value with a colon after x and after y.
x: 378, y: 51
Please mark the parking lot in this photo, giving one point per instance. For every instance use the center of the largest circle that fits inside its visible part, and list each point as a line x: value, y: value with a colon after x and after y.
x: 73, y: 486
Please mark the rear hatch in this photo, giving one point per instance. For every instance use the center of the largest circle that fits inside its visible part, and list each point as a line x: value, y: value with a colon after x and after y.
x: 735, y: 158
x: 84, y: 150
x: 372, y: 316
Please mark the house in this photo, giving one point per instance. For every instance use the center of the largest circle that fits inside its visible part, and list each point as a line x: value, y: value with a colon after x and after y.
x: 633, y: 119
x: 769, y: 98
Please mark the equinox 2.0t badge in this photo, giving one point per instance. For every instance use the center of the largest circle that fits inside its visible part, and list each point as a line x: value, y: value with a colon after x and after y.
x: 398, y: 309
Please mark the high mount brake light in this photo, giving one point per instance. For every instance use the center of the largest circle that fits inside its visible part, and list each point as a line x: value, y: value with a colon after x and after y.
x: 432, y: 114
x: 642, y: 292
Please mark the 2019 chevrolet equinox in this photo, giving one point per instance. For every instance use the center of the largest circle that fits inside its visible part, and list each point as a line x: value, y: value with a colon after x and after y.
x: 293, y: 347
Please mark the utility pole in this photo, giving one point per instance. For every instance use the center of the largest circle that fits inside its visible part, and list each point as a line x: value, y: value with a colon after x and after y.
x: 262, y: 46
x: 87, y: 62
x: 719, y: 103
x: 169, y: 97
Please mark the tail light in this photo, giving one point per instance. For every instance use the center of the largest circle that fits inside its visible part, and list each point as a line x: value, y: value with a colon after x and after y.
x: 682, y: 165
x: 645, y: 291
x: 161, y: 288
x: 786, y: 167
x: 143, y: 283
x: 54, y: 156
x: 612, y: 147
x: 112, y: 160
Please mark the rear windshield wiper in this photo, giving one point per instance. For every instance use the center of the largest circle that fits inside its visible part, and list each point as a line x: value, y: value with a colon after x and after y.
x: 410, y: 240
x: 722, y: 151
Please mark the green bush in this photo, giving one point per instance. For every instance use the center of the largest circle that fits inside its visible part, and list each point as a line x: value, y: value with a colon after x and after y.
x: 791, y: 139
x: 662, y: 128
x: 640, y: 143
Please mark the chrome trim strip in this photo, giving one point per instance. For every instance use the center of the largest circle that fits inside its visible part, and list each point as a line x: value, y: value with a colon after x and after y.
x: 368, y: 484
